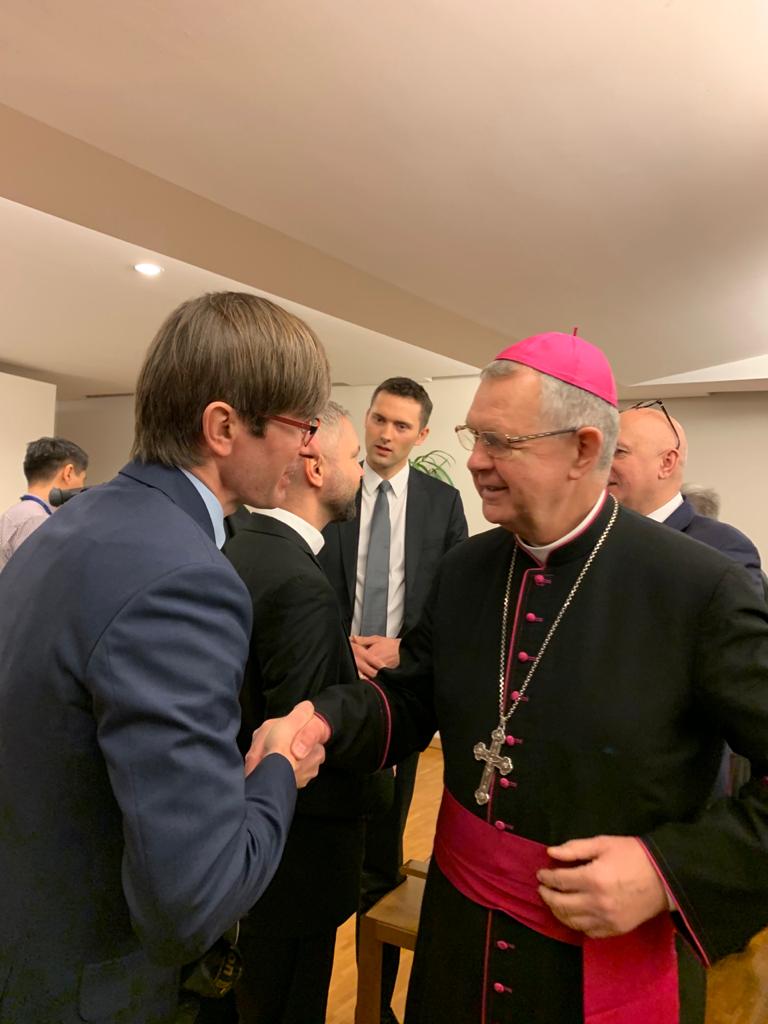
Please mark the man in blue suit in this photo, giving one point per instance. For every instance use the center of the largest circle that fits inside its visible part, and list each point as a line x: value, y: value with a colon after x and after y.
x: 131, y: 836
x: 647, y: 475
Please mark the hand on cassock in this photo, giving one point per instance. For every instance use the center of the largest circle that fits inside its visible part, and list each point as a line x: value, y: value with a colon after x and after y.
x: 278, y: 736
x: 611, y: 889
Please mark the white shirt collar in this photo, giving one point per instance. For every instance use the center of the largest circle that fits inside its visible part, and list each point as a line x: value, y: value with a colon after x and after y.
x: 543, y: 551
x: 213, y: 505
x: 398, y: 482
x: 660, y: 514
x: 305, y: 530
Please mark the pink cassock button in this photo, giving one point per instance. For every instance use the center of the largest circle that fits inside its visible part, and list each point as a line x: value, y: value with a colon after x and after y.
x: 509, y: 740
x: 500, y: 825
x: 530, y: 617
x: 498, y: 987
x: 538, y: 578
x: 507, y: 783
x: 523, y: 656
x: 501, y: 944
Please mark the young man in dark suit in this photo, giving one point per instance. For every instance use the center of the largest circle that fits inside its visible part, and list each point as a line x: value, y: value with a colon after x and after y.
x: 131, y: 837
x: 381, y: 565
x: 299, y: 647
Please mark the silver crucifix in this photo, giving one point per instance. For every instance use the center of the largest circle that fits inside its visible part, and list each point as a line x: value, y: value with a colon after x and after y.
x: 492, y: 761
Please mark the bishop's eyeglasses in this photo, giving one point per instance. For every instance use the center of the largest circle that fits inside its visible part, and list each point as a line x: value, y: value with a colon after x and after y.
x: 656, y: 403
x: 501, y: 446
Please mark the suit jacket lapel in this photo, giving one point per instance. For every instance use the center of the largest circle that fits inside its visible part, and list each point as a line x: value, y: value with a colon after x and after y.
x: 416, y: 513
x: 349, y: 537
x: 682, y: 517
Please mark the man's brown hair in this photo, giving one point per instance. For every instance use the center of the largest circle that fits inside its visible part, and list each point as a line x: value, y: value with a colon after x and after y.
x: 230, y: 347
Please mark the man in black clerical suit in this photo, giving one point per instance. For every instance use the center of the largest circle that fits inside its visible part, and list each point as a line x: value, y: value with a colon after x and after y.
x: 381, y: 565
x: 299, y: 646
x: 583, y: 665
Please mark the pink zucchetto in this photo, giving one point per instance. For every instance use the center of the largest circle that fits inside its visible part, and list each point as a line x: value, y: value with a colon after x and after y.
x: 568, y: 358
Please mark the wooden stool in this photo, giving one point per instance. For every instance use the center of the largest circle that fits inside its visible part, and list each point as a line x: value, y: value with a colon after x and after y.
x: 394, y: 919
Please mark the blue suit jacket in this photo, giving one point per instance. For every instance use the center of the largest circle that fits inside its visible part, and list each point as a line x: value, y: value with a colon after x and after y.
x: 721, y: 536
x: 129, y: 837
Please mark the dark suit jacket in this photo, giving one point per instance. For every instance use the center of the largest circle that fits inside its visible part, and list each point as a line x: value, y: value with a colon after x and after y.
x: 721, y: 536
x: 129, y: 838
x: 299, y: 647
x: 434, y: 523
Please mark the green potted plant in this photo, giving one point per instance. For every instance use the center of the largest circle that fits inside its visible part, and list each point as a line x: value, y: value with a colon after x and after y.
x: 435, y: 463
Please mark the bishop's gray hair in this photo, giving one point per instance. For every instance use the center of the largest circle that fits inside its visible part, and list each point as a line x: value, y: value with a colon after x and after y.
x: 331, y: 416
x: 564, y: 405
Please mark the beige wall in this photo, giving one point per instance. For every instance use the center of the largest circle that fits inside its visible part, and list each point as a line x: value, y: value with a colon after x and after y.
x: 103, y: 427
x: 727, y: 435
x: 27, y: 410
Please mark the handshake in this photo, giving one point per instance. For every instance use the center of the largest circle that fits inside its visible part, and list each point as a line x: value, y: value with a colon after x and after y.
x: 299, y: 737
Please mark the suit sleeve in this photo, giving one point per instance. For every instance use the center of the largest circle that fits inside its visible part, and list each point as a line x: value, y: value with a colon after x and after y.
x: 201, y: 841
x: 717, y: 866
x: 457, y: 525
x: 297, y: 641
x: 741, y: 549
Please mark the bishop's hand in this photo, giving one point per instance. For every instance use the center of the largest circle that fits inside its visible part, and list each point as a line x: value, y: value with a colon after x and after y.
x: 610, y: 889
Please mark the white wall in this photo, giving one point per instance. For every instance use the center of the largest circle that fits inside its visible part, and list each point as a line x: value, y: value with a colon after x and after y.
x: 727, y: 437
x: 103, y: 427
x: 27, y: 411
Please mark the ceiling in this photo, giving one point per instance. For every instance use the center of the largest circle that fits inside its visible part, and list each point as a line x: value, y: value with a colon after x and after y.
x: 74, y: 312
x: 528, y: 164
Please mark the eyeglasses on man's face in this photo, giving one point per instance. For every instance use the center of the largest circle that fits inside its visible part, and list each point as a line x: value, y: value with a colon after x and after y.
x: 656, y: 403
x: 308, y: 427
x: 501, y: 446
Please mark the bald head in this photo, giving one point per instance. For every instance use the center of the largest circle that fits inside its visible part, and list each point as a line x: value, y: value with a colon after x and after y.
x: 647, y: 469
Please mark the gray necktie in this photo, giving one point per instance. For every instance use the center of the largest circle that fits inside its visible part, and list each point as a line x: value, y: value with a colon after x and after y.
x: 376, y: 589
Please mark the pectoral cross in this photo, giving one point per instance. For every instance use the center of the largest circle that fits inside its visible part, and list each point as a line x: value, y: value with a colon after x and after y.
x: 492, y: 761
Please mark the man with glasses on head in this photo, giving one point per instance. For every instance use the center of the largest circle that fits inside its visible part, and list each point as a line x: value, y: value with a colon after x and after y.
x: 132, y: 836
x: 647, y: 476
x: 582, y: 665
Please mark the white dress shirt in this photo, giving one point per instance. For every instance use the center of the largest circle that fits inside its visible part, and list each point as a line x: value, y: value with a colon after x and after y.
x: 397, y: 498
x: 660, y: 514
x: 305, y: 530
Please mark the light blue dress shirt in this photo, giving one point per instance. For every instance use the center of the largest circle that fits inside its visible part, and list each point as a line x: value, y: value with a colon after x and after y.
x: 212, y: 503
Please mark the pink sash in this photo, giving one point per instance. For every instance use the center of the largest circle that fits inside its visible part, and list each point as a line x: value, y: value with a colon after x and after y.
x: 628, y: 979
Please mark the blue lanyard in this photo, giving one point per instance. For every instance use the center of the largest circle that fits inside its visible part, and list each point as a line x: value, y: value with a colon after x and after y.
x: 40, y: 502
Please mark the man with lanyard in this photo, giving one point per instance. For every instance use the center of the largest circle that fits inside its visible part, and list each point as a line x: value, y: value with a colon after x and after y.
x: 50, y: 462
x: 583, y: 665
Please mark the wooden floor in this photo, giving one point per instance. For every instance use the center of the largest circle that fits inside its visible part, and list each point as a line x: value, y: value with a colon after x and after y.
x: 417, y: 844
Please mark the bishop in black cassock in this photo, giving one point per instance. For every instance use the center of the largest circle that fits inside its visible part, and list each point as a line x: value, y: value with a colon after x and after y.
x: 627, y: 656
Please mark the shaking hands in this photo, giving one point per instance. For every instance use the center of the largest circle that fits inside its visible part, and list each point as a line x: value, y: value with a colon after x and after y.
x: 299, y: 737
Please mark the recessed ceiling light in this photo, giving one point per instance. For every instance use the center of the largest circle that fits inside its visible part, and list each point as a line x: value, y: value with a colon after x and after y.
x: 148, y: 269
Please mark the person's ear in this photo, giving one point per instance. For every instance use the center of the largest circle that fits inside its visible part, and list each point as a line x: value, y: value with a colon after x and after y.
x: 67, y: 473
x: 589, y: 444
x: 422, y: 436
x: 668, y: 463
x: 220, y: 426
x: 315, y: 470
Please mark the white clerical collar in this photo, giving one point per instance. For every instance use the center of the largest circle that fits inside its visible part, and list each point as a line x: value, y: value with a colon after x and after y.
x: 543, y: 551
x: 660, y: 514
x: 398, y: 482
x: 305, y: 530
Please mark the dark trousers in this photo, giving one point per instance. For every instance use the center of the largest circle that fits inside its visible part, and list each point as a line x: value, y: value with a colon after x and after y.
x: 285, y: 979
x: 381, y: 865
